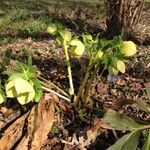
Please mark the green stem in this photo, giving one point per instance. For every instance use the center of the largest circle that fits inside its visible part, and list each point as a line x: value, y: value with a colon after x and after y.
x: 90, y: 82
x: 68, y: 67
x: 84, y: 81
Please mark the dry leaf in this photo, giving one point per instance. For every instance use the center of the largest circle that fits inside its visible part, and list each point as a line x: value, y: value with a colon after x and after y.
x: 13, y: 133
x: 40, y: 122
x: 81, y: 142
x: 102, y: 88
x: 121, y: 82
x: 8, y: 114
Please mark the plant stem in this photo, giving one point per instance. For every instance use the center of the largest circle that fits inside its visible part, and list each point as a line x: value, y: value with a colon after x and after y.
x: 59, y: 95
x: 90, y: 82
x: 84, y: 81
x: 68, y: 68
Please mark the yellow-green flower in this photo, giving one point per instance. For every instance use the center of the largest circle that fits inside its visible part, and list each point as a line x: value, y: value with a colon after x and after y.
x: 128, y: 48
x: 78, y: 47
x: 52, y: 29
x: 98, y: 56
x: 121, y: 66
x: 21, y: 89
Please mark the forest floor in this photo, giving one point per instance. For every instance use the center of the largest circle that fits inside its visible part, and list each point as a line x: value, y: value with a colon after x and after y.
x: 24, y: 30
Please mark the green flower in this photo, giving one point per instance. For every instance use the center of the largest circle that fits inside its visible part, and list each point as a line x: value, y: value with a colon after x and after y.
x: 116, y: 66
x: 98, y: 56
x: 78, y: 47
x: 52, y: 29
x: 120, y: 66
x: 21, y: 89
x: 128, y: 48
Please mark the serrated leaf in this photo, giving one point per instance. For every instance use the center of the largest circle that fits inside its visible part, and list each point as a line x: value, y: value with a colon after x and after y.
x: 120, y: 122
x: 106, y: 60
x: 127, y: 142
x: 21, y: 66
x: 38, y: 90
x: 146, y: 145
x: 38, y: 95
x: 87, y: 38
x: 59, y: 25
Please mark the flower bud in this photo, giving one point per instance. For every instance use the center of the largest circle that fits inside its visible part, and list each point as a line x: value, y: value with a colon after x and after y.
x: 120, y: 66
x: 98, y: 56
x: 52, y: 29
x: 78, y: 47
x: 128, y: 48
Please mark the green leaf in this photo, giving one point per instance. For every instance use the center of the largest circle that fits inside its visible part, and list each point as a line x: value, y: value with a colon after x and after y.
x: 127, y: 142
x: 120, y: 122
x: 38, y: 89
x: 59, y: 25
x: 146, y: 145
x: 106, y: 61
x: 87, y: 38
x: 21, y: 66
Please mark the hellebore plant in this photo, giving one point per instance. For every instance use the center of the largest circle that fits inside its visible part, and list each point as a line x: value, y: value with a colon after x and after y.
x: 23, y: 84
x: 64, y: 37
x: 110, y: 53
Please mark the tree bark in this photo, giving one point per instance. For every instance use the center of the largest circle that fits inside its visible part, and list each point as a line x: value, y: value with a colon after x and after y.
x: 123, y: 16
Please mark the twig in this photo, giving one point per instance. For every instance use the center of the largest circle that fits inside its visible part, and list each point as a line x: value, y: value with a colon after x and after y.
x: 53, y: 85
x: 59, y: 95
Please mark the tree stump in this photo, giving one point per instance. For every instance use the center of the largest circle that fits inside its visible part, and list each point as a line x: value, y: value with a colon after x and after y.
x: 122, y: 16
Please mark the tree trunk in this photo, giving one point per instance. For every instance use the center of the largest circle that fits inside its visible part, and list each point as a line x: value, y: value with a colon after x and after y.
x: 123, y: 16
